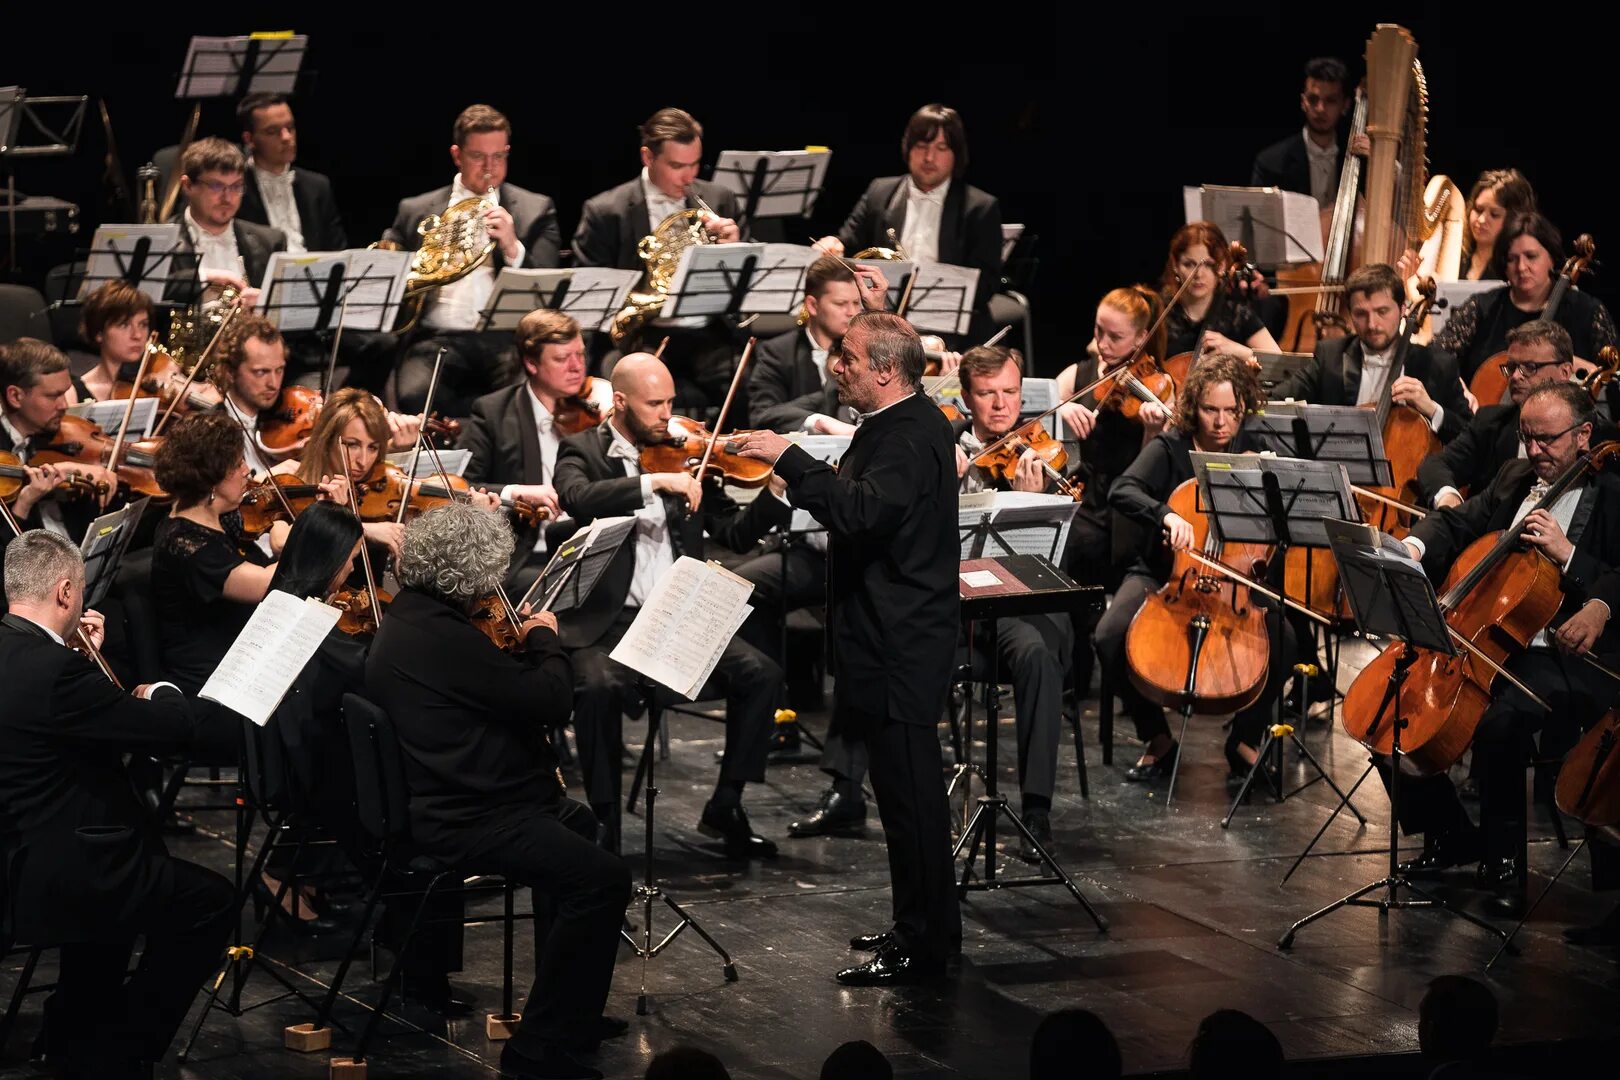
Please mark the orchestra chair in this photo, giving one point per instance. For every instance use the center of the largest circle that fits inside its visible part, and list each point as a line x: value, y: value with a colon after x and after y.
x: 62, y: 296
x: 23, y: 313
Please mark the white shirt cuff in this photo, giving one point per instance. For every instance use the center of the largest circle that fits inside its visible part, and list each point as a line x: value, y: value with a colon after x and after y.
x: 1443, y: 492
x: 1437, y: 419
x: 522, y: 253
x: 152, y: 689
x: 506, y: 493
x: 1607, y: 611
x: 1422, y: 548
x: 811, y: 421
x: 646, y: 489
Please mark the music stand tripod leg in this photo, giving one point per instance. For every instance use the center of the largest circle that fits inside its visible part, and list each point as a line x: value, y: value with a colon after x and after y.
x: 1322, y: 774
x: 1344, y: 801
x: 1248, y: 781
x: 1576, y: 850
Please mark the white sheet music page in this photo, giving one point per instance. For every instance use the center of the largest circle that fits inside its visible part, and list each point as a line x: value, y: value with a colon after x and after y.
x: 679, y: 633
x: 269, y: 654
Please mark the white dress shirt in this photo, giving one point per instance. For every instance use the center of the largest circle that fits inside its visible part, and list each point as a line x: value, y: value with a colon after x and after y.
x: 50, y: 511
x: 1324, y: 170
x: 920, y: 235
x: 818, y: 356
x: 460, y: 304
x: 1375, y: 369
x: 545, y: 433
x: 215, y: 252
x: 973, y: 479
x: 279, y: 204
x: 257, y: 461
x: 655, y: 551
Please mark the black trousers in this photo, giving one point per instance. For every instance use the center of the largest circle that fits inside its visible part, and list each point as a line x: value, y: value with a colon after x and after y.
x: 579, y: 896
x: 1030, y: 652
x: 95, y: 1020
x: 1248, y: 726
x: 1504, y: 743
x: 476, y: 362
x: 1088, y: 559
x: 605, y: 691
x: 908, y: 779
x: 783, y: 582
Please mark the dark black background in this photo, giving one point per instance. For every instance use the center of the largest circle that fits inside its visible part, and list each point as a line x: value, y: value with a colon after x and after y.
x: 1085, y: 124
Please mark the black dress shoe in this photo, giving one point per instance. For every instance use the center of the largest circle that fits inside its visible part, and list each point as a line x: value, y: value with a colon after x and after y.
x: 554, y: 1063
x: 1039, y: 824
x: 1154, y: 770
x: 1443, y: 852
x: 893, y: 965
x: 870, y: 942
x: 435, y: 994
x: 838, y: 815
x: 730, y: 823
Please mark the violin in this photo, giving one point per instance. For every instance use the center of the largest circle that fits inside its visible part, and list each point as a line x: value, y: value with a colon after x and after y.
x: 1499, y: 595
x: 1201, y: 640
x: 1001, y: 463
x: 1489, y: 386
x: 1589, y: 782
x: 164, y: 380
x: 291, y: 420
x: 380, y: 496
x: 684, y: 453
x: 490, y: 616
x: 933, y: 353
x: 263, y: 505
x: 358, y: 615
x: 79, y: 440
x: 1143, y: 382
x: 578, y: 412
x: 14, y: 477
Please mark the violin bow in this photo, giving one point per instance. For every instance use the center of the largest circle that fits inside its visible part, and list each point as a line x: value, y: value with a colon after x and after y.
x: 331, y: 361
x: 202, y: 363
x: 270, y: 478
x: 84, y: 639
x: 1112, y: 376
x: 129, y: 406
x: 354, y: 507
x: 658, y: 353
x: 725, y: 407
x: 416, y: 455
x: 1237, y: 575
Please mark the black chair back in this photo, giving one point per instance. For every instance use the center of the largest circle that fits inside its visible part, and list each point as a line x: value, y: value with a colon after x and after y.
x: 23, y: 314
x: 379, y: 773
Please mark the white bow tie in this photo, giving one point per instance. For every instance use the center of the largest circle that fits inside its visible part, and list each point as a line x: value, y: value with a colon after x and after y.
x: 624, y: 452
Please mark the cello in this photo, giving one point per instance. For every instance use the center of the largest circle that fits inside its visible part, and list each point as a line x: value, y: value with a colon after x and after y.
x: 1497, y: 598
x: 1489, y: 385
x: 1588, y: 788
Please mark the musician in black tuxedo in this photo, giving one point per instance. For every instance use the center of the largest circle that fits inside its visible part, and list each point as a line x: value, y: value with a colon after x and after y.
x: 34, y: 387
x: 475, y: 728
x: 218, y: 248
x: 1354, y: 370
x: 523, y: 226
x: 1311, y: 161
x: 1538, y: 353
x: 299, y: 201
x: 890, y: 510
x: 514, y: 437
x: 599, y: 474
x: 789, y: 386
x: 1579, y: 532
x: 612, y: 223
x: 85, y: 866
x: 930, y: 212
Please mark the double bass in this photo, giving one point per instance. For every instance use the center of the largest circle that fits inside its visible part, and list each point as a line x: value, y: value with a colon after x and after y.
x: 1498, y: 597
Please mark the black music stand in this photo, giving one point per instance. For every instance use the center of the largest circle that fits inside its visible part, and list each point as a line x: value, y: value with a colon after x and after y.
x: 40, y: 138
x: 942, y: 298
x: 1391, y: 597
x: 311, y: 290
x: 773, y: 183
x: 140, y: 255
x: 236, y: 66
x: 1281, y: 502
x: 1024, y: 585
x: 729, y: 280
x: 1277, y: 367
x: 590, y: 294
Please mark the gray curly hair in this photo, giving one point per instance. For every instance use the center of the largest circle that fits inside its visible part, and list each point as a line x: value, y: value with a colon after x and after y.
x: 456, y: 552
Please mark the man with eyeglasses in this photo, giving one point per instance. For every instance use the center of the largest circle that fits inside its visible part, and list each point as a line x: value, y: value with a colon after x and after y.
x: 523, y: 225
x: 224, y: 251
x: 1578, y: 533
x: 1538, y: 353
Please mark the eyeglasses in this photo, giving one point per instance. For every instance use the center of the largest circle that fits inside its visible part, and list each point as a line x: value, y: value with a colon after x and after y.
x: 1546, y: 440
x: 478, y: 157
x: 1529, y: 367
x: 218, y: 188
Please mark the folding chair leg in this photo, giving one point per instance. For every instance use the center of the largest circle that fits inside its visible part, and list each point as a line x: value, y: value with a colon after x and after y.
x: 394, y: 974
x: 306, y: 1038
x: 18, y: 994
x: 503, y: 1025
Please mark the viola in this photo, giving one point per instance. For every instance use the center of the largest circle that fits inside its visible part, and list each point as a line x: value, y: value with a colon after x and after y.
x: 358, y: 615
x: 490, y: 616
x: 1489, y: 385
x: 14, y: 477
x: 1589, y: 781
x: 684, y: 450
x: 578, y: 412
x: 1142, y: 383
x: 1498, y: 596
x: 381, y: 495
x: 1001, y: 463
x: 165, y: 380
x: 291, y: 420
x: 1201, y: 643
x: 79, y: 440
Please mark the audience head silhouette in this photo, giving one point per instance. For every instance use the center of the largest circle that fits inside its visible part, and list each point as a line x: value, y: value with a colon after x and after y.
x: 858, y: 1060
x: 1067, y: 1037
x: 686, y: 1063
x: 1233, y: 1043
x: 1457, y: 1019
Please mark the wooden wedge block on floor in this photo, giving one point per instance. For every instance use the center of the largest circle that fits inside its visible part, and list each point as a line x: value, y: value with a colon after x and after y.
x: 306, y: 1038
x: 498, y: 1026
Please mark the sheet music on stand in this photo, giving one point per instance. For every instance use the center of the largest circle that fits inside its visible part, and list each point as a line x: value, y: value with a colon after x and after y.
x: 1389, y: 593
x: 142, y: 255
x: 105, y: 542
x: 1278, y: 228
x: 942, y: 299
x: 1275, y: 367
x: 897, y: 272
x: 1232, y: 490
x: 577, y: 566
x: 737, y: 279
x: 592, y: 295
x: 1038, y: 396
x: 269, y: 654
x: 454, y: 462
x: 308, y: 290
x: 683, y: 627
x: 109, y: 415
x: 774, y: 183
x: 992, y: 524
x: 240, y: 65
x: 1343, y: 434
x: 1451, y: 295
